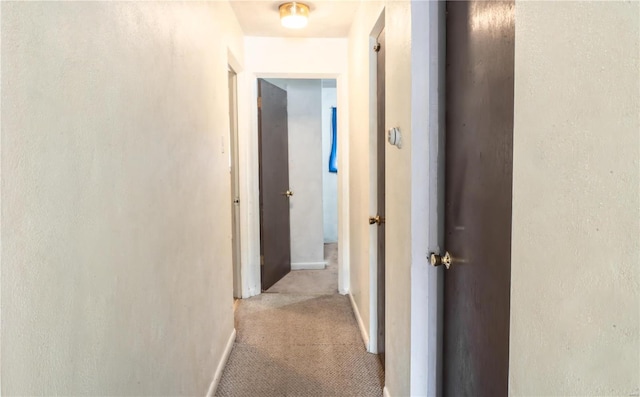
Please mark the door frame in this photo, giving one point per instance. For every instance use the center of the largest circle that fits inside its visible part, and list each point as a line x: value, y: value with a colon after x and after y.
x: 235, y: 179
x: 251, y: 283
x: 373, y: 183
x: 428, y: 22
x: 235, y: 66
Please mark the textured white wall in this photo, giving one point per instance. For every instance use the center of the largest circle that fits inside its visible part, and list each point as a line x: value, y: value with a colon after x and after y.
x: 329, y: 179
x: 296, y: 56
x: 576, y: 200
x: 304, y: 102
x: 116, y: 250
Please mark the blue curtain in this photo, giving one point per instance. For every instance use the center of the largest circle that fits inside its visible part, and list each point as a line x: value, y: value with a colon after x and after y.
x: 333, y: 161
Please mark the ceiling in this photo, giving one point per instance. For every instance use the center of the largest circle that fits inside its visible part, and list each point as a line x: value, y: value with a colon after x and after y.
x: 326, y: 18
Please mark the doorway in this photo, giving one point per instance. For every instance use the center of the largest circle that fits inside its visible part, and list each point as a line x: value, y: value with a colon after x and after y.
x: 311, y: 123
x: 478, y: 178
x: 379, y: 218
x: 234, y: 165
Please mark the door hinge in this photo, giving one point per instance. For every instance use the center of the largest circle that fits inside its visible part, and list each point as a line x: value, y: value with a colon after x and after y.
x: 261, y: 260
x: 377, y: 47
x: 259, y: 102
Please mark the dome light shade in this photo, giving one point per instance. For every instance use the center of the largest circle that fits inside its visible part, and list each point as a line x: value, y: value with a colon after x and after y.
x: 294, y: 15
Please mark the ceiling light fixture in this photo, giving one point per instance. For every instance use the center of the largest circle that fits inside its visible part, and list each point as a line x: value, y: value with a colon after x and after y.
x: 294, y: 15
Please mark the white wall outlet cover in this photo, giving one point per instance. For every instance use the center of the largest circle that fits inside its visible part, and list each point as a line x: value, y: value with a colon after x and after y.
x: 395, y: 137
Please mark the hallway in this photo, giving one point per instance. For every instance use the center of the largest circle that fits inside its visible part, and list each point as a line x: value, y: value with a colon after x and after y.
x: 121, y: 206
x: 300, y: 338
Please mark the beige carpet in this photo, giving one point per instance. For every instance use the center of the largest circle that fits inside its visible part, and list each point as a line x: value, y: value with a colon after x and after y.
x: 300, y: 342
x: 312, y: 282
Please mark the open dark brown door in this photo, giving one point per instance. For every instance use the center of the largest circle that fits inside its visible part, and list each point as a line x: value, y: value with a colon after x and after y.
x: 275, y: 236
x: 381, y: 142
x: 479, y: 142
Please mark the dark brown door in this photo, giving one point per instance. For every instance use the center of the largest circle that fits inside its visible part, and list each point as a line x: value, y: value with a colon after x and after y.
x: 479, y: 142
x: 380, y: 48
x: 275, y: 236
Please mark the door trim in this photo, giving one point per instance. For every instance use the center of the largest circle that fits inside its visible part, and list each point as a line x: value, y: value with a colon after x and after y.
x: 427, y: 194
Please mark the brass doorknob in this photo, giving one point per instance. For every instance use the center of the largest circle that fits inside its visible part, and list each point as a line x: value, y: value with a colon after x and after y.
x: 376, y: 220
x: 288, y: 193
x: 437, y: 260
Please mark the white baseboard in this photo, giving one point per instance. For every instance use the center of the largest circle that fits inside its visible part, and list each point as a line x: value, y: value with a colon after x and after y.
x: 221, y: 364
x: 385, y: 392
x: 363, y: 330
x: 309, y: 266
